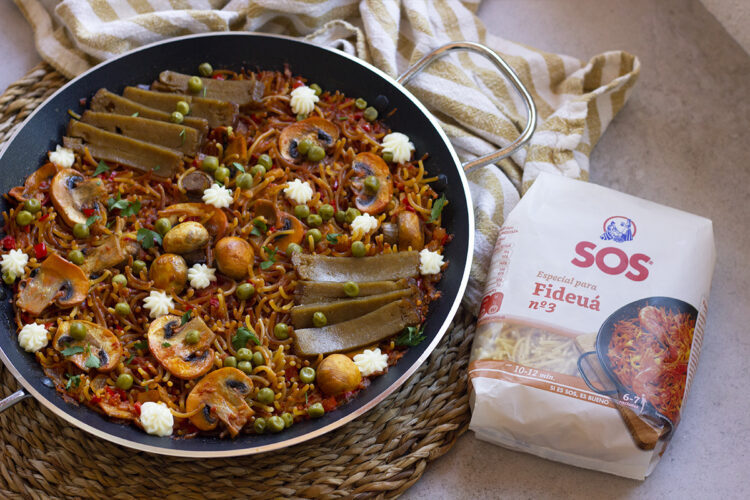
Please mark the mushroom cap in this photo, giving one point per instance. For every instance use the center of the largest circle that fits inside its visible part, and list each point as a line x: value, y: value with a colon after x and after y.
x: 71, y: 192
x: 112, y: 251
x: 214, y: 219
x: 337, y: 374
x: 364, y: 165
x: 56, y: 280
x: 320, y: 131
x: 234, y: 256
x: 169, y: 272
x: 166, y: 340
x: 185, y: 237
x: 122, y: 411
x: 100, y: 342
x: 410, y: 232
x: 289, y: 229
x: 32, y: 188
x: 223, y: 393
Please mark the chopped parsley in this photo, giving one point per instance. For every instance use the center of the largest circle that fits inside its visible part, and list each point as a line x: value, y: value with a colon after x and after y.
x: 271, y: 258
x: 256, y: 232
x: 238, y: 167
x: 135, y: 115
x: 70, y: 351
x: 130, y: 359
x: 73, y: 381
x: 182, y: 136
x: 437, y: 208
x: 166, y: 344
x: 141, y: 344
x: 125, y: 207
x: 131, y: 209
x: 101, y: 168
x: 411, y: 336
x: 147, y: 237
x: 90, y: 221
x: 185, y: 317
x: 332, y: 238
x: 239, y: 339
x: 91, y: 361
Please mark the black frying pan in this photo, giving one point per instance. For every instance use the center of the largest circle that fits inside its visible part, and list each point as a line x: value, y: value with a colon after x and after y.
x: 331, y: 69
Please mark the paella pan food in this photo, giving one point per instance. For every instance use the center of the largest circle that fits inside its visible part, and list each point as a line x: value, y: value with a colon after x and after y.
x: 223, y: 254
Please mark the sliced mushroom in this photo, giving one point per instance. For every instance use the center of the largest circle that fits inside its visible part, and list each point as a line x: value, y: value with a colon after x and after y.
x: 169, y: 272
x: 410, y: 231
x: 234, y: 256
x: 317, y: 130
x: 390, y: 232
x: 223, y: 393
x: 185, y: 238
x: 100, y: 344
x: 121, y: 411
x: 365, y: 165
x: 72, y: 193
x: 112, y: 252
x: 214, y: 219
x: 32, y: 188
x: 289, y: 228
x: 195, y: 183
x: 56, y: 280
x: 166, y: 340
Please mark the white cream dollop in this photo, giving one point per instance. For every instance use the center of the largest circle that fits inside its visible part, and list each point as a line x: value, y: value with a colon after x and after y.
x: 364, y: 224
x: 298, y: 191
x: 62, y: 157
x: 370, y: 362
x: 430, y: 262
x: 399, y: 146
x: 32, y: 337
x: 200, y: 276
x: 303, y: 100
x: 156, y: 419
x: 218, y: 196
x: 158, y: 303
x: 14, y: 262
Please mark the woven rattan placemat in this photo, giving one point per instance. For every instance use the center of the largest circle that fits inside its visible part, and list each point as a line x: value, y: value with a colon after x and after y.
x: 378, y: 455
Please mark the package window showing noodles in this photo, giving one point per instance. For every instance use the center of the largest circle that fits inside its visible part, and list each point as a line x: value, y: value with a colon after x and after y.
x: 590, y: 327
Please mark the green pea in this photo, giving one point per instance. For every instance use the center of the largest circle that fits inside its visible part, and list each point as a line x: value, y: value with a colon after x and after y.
x: 316, y: 88
x: 307, y: 375
x: 372, y: 184
x: 9, y: 277
x: 192, y: 337
x: 205, y: 69
x: 371, y: 114
x: 293, y: 247
x: 301, y: 211
x: 351, y: 214
x: 266, y: 161
x: 24, y: 218
x: 288, y: 419
x: 230, y: 361
x: 259, y: 425
x: 316, y: 410
x: 245, y: 366
x: 32, y: 205
x: 80, y: 230
x: 221, y: 174
x: 360, y: 103
x: 387, y: 156
x: 358, y: 249
x: 124, y: 381
x: 245, y: 291
x: 182, y: 107
x: 281, y: 331
x: 319, y: 319
x: 163, y: 225
x: 257, y: 170
x: 244, y: 354
x: 340, y: 216
x: 301, y: 116
x: 122, y: 308
x: 351, y: 289
x: 258, y: 359
x: 119, y: 280
x: 275, y: 424
x: 176, y: 117
x: 195, y: 84
x: 325, y: 211
x: 76, y: 257
x: 138, y: 266
x: 266, y: 396
x: 244, y: 181
x: 304, y: 146
x: 210, y: 163
x: 316, y: 235
x: 260, y: 223
x: 314, y: 220
x: 316, y: 153
x: 77, y: 330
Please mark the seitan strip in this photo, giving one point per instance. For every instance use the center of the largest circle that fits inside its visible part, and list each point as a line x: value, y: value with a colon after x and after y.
x: 170, y: 135
x: 357, y: 333
x: 217, y: 113
x: 107, y: 102
x: 344, y: 310
x: 240, y: 92
x: 388, y: 266
x: 132, y: 153
x: 308, y: 292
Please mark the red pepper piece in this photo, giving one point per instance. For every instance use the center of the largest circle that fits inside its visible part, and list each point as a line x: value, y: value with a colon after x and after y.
x: 88, y: 212
x: 137, y: 406
x: 40, y: 250
x: 44, y: 217
x: 9, y: 242
x: 329, y: 404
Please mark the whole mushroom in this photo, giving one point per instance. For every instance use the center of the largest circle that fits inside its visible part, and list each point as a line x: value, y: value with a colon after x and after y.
x: 337, y: 374
x: 185, y: 238
x: 234, y: 256
x: 169, y: 272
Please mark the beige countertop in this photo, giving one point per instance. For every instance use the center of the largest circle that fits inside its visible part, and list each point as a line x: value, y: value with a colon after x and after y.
x: 683, y: 139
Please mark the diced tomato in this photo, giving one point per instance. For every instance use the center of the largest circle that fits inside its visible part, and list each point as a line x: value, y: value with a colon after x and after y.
x: 44, y: 217
x: 96, y: 400
x: 82, y: 101
x: 407, y: 205
x: 329, y: 404
x: 366, y: 127
x: 214, y: 302
x: 9, y: 242
x: 137, y: 406
x: 219, y: 77
x: 358, y: 115
x: 335, y: 184
x: 40, y: 250
x: 113, y: 174
x: 291, y: 372
x: 297, y: 83
x: 88, y: 212
x: 43, y: 185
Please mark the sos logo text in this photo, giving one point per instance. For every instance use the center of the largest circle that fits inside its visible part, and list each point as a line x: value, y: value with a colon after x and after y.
x: 611, y: 259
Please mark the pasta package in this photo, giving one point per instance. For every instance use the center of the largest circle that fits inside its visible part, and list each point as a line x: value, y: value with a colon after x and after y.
x: 591, y: 326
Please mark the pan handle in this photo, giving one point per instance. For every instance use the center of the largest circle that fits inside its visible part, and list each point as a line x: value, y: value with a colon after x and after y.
x: 586, y: 379
x: 14, y: 398
x: 508, y: 72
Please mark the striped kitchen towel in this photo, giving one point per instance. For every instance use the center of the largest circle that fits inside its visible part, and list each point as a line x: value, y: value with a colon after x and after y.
x: 479, y: 111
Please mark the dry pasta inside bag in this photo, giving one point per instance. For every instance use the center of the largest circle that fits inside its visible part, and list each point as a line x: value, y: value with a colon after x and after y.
x: 590, y: 327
